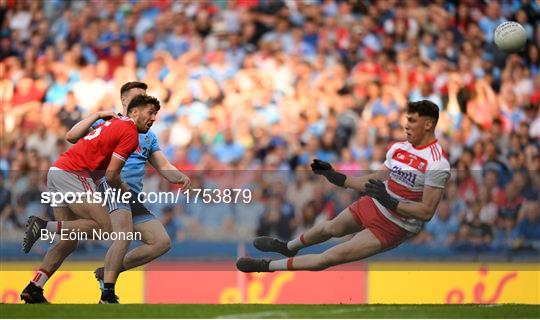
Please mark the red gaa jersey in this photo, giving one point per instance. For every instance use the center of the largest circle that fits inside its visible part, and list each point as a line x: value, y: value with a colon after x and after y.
x: 91, y: 155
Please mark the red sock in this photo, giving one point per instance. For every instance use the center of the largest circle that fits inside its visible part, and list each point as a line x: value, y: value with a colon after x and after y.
x: 302, y: 239
x: 290, y: 263
x: 54, y: 226
x: 41, y: 278
x: 297, y: 243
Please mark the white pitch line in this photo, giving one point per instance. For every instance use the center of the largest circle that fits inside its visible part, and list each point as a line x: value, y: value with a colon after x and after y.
x: 283, y: 314
x: 254, y: 315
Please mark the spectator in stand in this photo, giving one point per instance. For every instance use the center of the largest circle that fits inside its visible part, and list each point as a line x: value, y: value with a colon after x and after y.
x: 278, y: 220
x: 510, y: 202
x: 474, y: 235
x: 528, y: 229
x: 70, y: 113
x: 229, y: 150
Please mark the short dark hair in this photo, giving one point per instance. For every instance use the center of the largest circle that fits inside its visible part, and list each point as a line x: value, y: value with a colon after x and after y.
x: 141, y: 101
x: 424, y: 108
x: 131, y: 85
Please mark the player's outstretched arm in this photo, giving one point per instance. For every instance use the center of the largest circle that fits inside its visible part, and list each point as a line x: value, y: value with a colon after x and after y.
x: 168, y: 171
x: 82, y: 127
x: 339, y: 179
x: 326, y: 170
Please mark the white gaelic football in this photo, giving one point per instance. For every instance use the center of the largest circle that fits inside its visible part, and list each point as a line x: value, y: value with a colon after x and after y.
x: 510, y: 37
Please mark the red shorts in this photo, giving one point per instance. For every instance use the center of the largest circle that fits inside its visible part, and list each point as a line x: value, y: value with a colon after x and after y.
x: 368, y: 216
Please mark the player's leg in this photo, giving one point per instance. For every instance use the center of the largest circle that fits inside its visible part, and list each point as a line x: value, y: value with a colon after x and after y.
x: 33, y: 293
x: 122, y: 224
x: 94, y: 217
x: 121, y: 220
x: 343, y: 224
x: 362, y: 245
x: 378, y: 234
x: 56, y: 255
x: 156, y: 242
x: 90, y: 215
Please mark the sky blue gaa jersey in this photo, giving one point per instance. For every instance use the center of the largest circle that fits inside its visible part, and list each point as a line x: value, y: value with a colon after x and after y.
x: 133, y: 170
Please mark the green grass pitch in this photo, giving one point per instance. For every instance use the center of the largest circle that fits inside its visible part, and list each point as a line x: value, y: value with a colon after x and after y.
x: 269, y: 311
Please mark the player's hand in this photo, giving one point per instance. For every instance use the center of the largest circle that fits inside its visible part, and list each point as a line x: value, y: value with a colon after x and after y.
x: 319, y: 166
x: 324, y: 168
x: 106, y: 115
x: 377, y: 190
x: 185, y: 181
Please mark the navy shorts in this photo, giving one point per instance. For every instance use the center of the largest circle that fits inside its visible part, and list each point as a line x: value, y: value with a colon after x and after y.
x: 139, y: 212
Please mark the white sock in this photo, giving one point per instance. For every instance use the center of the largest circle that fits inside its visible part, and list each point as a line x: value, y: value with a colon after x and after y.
x: 283, y: 264
x: 296, y: 244
x: 54, y: 226
x: 41, y: 278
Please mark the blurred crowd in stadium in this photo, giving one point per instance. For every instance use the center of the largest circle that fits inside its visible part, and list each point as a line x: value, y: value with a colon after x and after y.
x: 269, y: 85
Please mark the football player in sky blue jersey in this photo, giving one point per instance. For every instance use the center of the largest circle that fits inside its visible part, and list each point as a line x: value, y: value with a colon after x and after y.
x: 134, y: 216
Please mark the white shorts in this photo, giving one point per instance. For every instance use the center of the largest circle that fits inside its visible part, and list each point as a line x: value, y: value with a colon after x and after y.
x: 62, y: 181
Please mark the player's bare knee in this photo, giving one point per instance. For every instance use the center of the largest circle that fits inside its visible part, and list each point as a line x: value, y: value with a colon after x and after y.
x: 162, y: 245
x: 105, y: 226
x: 326, y: 229
x: 125, y: 226
x: 334, y: 230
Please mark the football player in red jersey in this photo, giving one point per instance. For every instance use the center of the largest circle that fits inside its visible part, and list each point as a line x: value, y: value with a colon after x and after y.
x: 133, y: 217
x: 391, y: 211
x: 99, y: 155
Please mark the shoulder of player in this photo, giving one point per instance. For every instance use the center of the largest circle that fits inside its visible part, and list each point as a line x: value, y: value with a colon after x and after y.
x: 125, y: 127
x: 126, y: 119
x: 439, y: 160
x: 396, y: 145
x: 123, y: 122
x: 434, y: 153
x: 440, y: 152
x: 151, y: 135
x: 148, y: 138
